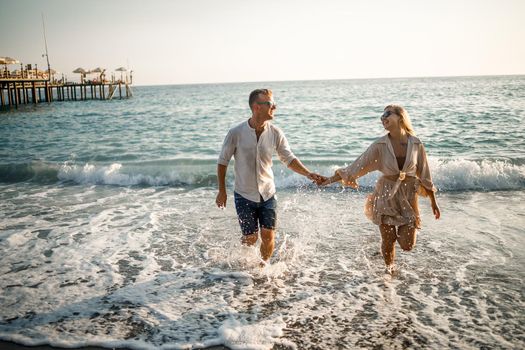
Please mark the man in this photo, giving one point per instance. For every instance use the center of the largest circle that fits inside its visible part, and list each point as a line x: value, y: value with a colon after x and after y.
x: 252, y: 144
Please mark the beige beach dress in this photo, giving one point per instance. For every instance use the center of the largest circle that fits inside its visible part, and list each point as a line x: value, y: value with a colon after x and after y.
x: 395, y: 198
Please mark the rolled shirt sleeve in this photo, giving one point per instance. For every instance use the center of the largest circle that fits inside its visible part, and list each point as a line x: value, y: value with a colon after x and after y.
x: 228, y: 149
x: 284, y: 152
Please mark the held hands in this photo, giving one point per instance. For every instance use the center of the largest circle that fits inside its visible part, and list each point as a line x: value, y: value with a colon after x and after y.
x: 321, y: 180
x: 348, y: 182
x: 329, y: 180
x: 318, y: 179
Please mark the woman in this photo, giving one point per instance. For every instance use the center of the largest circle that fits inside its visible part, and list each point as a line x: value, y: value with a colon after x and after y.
x: 393, y: 206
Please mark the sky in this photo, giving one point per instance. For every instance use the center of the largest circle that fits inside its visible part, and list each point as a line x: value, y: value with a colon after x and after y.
x: 212, y: 41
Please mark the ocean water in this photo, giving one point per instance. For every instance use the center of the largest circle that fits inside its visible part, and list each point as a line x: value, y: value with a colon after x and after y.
x: 110, y: 236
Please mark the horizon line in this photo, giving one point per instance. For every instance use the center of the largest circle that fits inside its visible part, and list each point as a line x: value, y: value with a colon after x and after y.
x: 334, y: 79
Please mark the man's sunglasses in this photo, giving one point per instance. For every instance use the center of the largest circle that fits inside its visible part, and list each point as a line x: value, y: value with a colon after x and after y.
x: 268, y: 103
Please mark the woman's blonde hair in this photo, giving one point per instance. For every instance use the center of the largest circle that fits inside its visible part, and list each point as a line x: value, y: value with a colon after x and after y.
x: 404, y: 120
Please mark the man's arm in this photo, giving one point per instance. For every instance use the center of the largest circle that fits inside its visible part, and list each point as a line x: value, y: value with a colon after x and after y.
x: 299, y: 168
x: 227, y: 151
x: 221, y: 180
x: 287, y: 157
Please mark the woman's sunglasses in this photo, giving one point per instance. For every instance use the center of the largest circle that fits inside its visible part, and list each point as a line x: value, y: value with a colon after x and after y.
x: 386, y: 114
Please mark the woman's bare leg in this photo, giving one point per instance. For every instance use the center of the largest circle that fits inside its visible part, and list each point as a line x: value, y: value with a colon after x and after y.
x: 407, y: 235
x: 388, y: 243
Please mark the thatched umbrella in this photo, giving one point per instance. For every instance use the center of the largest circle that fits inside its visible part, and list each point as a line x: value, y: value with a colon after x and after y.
x: 121, y: 69
x: 8, y: 60
x: 99, y: 71
x: 82, y: 73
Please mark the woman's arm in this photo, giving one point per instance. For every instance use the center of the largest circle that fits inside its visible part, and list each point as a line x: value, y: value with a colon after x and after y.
x: 332, y: 179
x: 423, y: 173
x: 365, y: 163
x: 434, y: 205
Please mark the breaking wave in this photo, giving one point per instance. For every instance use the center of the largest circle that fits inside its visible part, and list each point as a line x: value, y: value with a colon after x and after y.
x: 449, y: 174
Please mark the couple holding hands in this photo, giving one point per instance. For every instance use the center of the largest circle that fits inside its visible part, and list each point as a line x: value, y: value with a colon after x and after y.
x: 393, y: 206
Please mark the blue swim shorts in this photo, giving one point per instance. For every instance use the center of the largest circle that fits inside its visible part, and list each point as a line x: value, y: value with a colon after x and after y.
x: 251, y: 215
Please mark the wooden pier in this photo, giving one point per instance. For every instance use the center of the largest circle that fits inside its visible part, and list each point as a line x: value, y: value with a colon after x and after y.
x: 16, y: 91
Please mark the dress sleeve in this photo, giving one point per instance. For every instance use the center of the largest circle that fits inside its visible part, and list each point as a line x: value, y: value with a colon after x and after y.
x: 423, y: 172
x: 228, y: 148
x: 365, y: 163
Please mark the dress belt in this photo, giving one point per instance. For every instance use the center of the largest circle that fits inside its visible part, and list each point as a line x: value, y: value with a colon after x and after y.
x: 398, y: 179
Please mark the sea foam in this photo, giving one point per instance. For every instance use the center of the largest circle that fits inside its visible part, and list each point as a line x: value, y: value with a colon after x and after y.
x: 448, y: 174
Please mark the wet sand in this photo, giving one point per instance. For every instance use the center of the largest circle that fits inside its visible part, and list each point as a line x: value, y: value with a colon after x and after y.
x: 4, y: 345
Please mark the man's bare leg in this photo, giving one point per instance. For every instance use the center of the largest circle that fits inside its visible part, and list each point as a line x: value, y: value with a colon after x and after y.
x: 388, y: 241
x: 249, y: 240
x: 267, y: 243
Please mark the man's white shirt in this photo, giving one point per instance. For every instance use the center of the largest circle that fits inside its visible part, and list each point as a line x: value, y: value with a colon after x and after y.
x: 253, y: 159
